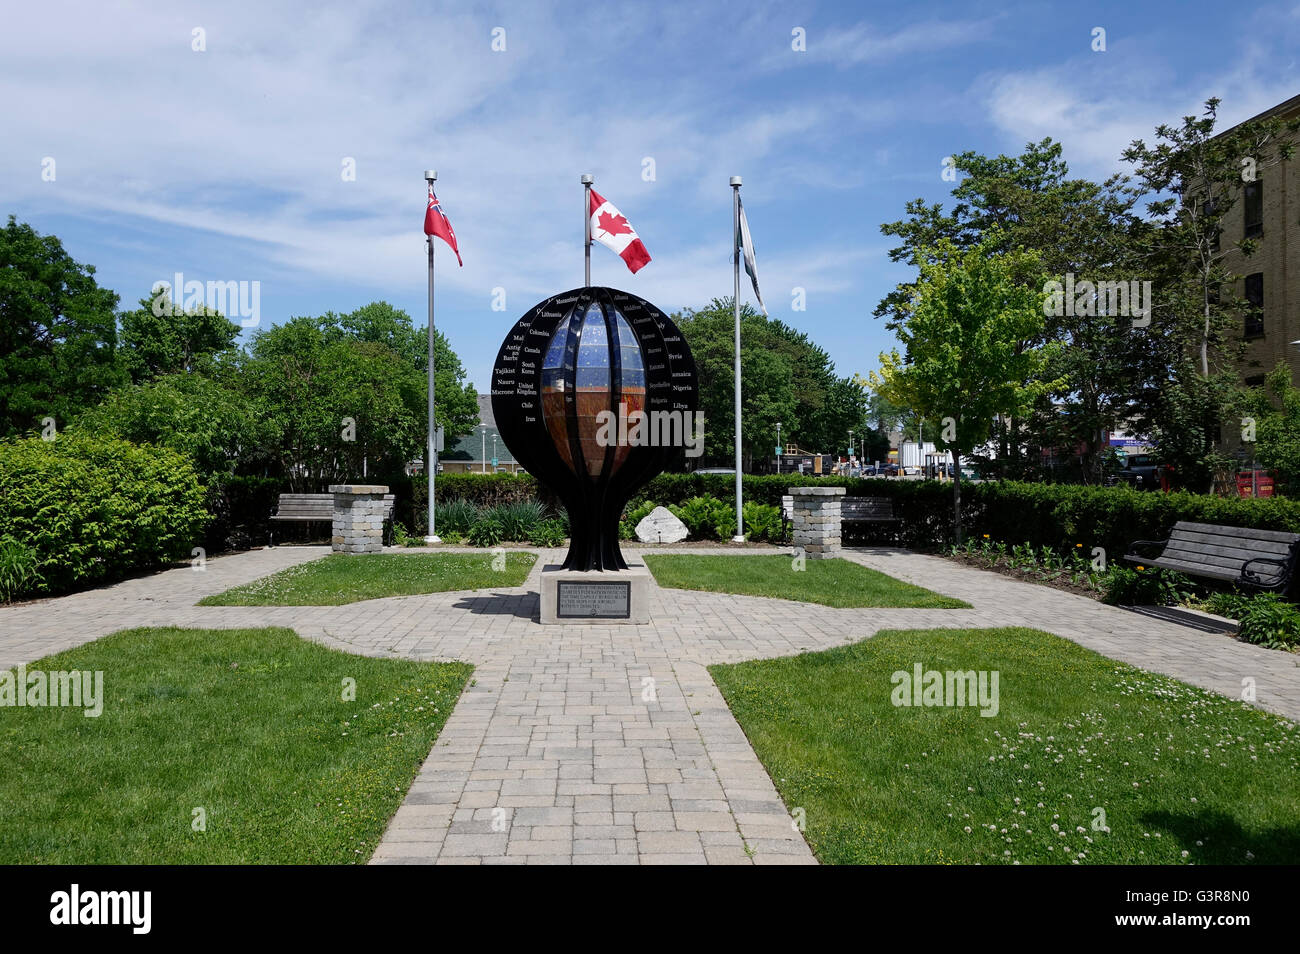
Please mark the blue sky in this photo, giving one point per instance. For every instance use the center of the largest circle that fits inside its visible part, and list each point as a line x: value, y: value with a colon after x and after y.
x: 225, y: 164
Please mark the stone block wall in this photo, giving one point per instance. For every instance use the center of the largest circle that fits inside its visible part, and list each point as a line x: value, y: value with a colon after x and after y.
x: 817, y: 521
x: 358, y: 518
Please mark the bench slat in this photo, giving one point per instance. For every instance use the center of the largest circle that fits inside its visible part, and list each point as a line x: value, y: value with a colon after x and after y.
x: 1230, y: 542
x: 852, y: 509
x: 310, y: 507
x: 1194, y: 569
x: 1280, y: 536
x: 1224, y: 555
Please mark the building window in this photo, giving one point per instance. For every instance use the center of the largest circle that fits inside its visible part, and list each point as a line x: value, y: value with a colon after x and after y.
x: 1255, y: 311
x: 1254, y: 203
x: 1255, y: 381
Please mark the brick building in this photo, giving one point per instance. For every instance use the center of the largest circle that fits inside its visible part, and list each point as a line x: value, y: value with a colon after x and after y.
x: 1269, y: 210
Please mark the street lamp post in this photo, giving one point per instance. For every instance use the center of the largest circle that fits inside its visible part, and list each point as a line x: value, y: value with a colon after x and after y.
x: 483, y: 427
x: 494, y: 453
x: 779, y: 448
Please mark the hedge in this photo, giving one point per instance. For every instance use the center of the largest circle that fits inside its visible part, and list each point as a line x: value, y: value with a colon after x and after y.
x: 241, y: 508
x: 1056, y: 515
x: 93, y: 509
x: 1061, y: 515
x: 483, y: 490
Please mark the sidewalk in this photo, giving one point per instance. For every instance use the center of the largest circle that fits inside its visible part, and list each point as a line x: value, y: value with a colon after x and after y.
x: 590, y: 744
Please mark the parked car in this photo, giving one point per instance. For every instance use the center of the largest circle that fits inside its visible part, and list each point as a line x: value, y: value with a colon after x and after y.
x: 889, y: 470
x: 1140, y: 471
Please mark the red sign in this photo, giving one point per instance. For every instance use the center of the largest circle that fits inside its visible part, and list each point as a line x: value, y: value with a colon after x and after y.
x: 1256, y: 484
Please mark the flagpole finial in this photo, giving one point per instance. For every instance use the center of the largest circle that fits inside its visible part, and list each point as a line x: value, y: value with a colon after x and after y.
x: 431, y: 174
x: 735, y: 180
x: 588, y: 178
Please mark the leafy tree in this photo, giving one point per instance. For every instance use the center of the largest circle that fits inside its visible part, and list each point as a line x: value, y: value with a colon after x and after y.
x: 57, y: 332
x: 1276, y: 410
x: 161, y: 338
x: 1077, y: 227
x: 339, y: 407
x: 380, y: 323
x: 785, y: 377
x: 964, y: 360
x: 219, y: 428
x: 886, y: 417
x: 1192, y: 176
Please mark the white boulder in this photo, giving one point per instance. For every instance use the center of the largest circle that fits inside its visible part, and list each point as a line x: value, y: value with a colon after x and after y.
x: 660, y: 526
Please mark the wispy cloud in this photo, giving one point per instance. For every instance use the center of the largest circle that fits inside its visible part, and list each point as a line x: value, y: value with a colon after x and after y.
x: 871, y: 43
x: 229, y: 160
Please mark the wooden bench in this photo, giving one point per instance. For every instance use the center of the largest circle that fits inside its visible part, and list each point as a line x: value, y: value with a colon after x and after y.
x: 316, y: 508
x: 1262, y: 559
x: 852, y: 510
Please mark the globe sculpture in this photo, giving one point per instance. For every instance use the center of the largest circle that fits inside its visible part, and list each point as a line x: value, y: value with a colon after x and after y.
x: 594, y: 391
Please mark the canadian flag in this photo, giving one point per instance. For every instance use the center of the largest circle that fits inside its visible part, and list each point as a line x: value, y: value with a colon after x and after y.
x: 612, y: 230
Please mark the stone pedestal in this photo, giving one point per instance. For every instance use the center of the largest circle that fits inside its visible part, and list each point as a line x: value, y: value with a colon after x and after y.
x: 817, y: 521
x: 358, y: 518
x: 599, y: 597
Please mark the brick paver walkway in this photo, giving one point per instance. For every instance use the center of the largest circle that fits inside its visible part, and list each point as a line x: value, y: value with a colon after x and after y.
x: 559, y: 753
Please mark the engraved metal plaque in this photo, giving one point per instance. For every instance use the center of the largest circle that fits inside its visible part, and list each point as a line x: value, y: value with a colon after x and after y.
x: 584, y: 600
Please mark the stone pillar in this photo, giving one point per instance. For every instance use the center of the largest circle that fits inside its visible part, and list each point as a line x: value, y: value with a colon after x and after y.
x: 817, y: 521
x: 358, y: 518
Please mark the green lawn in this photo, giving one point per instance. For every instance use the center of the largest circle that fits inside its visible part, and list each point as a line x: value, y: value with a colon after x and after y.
x: 345, y: 578
x: 834, y: 582
x: 1183, y: 775
x: 249, y: 724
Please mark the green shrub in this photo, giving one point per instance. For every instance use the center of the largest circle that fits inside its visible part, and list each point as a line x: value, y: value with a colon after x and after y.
x: 762, y: 522
x: 18, y: 569
x: 1270, y: 621
x: 95, y: 509
x: 548, y: 533
x: 241, y: 507
x: 486, y: 531
x: 404, y: 538
x: 1054, y: 515
x: 1058, y: 516
x: 724, y: 522
x: 1231, y: 605
x: 706, y: 518
x: 1144, y: 587
x: 485, y: 490
x: 634, y: 514
x: 455, y: 515
x: 1061, y: 515
x: 519, y: 519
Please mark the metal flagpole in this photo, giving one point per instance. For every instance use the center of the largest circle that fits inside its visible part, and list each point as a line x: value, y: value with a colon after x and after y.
x: 735, y: 247
x: 431, y: 452
x: 587, y: 180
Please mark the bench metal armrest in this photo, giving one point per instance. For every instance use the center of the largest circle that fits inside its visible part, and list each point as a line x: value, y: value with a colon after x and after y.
x: 1132, y: 547
x: 1250, y: 576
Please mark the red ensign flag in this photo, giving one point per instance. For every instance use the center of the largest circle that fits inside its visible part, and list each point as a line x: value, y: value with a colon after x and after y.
x: 612, y: 230
x: 437, y: 223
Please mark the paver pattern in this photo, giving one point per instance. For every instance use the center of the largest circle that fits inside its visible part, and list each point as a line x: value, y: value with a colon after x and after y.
x: 611, y: 744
